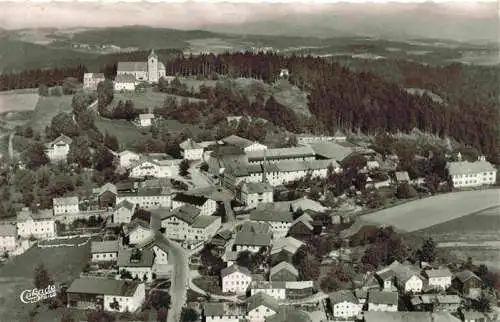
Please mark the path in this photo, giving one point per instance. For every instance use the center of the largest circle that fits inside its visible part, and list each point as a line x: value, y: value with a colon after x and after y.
x: 11, y: 146
x: 423, y: 213
x: 178, y: 288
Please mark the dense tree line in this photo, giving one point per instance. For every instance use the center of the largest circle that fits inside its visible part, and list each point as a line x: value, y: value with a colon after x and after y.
x: 35, y: 78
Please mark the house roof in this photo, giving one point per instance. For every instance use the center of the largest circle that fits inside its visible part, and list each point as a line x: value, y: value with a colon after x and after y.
x: 261, y: 298
x: 224, y: 234
x: 308, y: 204
x: 125, y: 204
x: 158, y: 240
x: 267, y: 215
x: 105, y: 187
x: 153, y: 191
x: 237, y: 141
x: 283, y: 266
x: 132, y: 66
x: 61, y: 138
x: 8, y: 230
x: 146, y: 116
x: 146, y: 259
x: 442, y: 272
x: 448, y: 299
x: 343, y: 296
x: 187, y: 213
x: 103, y: 286
x: 190, y: 199
x: 223, y: 309
x: 306, y: 220
x: 27, y: 214
x: 374, y: 316
x: 65, y: 201
x: 124, y: 78
x: 107, y: 246
x: 288, y: 244
x: 289, y: 314
x: 281, y: 153
x: 137, y: 223
x: 254, y: 227
x: 466, y: 167
x: 331, y: 150
x: 233, y: 269
x: 264, y: 285
x: 466, y: 275
x: 257, y: 187
x: 381, y: 297
x: 204, y: 221
x: 127, y: 152
x: 248, y: 238
x: 189, y: 144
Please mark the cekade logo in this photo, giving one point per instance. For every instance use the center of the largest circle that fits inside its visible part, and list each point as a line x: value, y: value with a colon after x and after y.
x: 36, y: 295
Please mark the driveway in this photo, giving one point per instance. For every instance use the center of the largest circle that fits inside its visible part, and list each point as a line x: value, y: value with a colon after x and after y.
x: 178, y: 288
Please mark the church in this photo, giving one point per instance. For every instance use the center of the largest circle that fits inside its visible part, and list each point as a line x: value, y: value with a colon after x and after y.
x: 150, y: 71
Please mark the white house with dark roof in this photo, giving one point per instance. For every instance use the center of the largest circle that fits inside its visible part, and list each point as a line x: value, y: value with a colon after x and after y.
x: 261, y: 306
x: 148, y: 197
x: 104, y: 251
x: 58, y: 149
x: 138, y: 262
x: 65, y: 205
x: 275, y: 289
x: 252, y: 236
x: 439, y: 279
x: 106, y: 294
x: 382, y: 301
x: 223, y: 312
x: 145, y: 120
x: 40, y: 225
x: 206, y: 205
x: 235, y: 279
x: 128, y: 158
x: 253, y: 194
x: 190, y: 150
x: 125, y: 83
x: 123, y: 212
x: 245, y: 144
x: 472, y: 174
x: 149, y: 71
x: 8, y: 237
x: 401, y: 276
x: 91, y: 80
x: 345, y: 305
x: 139, y: 231
x: 279, y: 221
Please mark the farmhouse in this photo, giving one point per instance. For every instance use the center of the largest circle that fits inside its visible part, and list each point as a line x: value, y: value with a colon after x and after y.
x: 106, y: 195
x: 150, y: 71
x: 283, y: 272
x: 58, y: 149
x: 439, y: 279
x: 472, y: 174
x: 344, y: 305
x: 223, y: 312
x: 38, y: 225
x: 252, y: 236
x: 207, y: 206
x: 91, y: 80
x: 138, y: 231
x: 273, y: 289
x: 104, y: 251
x: 285, y: 248
x: 160, y: 248
x: 145, y: 120
x: 302, y: 227
x: 468, y: 283
x: 383, y: 301
x: 123, y: 212
x: 255, y: 193
x: 287, y: 314
x: 244, y: 144
x: 279, y: 221
x: 235, y: 279
x: 261, y: 306
x: 106, y: 294
x: 139, y: 263
x: 190, y: 150
x: 65, y: 205
x: 124, y: 83
x: 8, y: 237
x: 148, y: 197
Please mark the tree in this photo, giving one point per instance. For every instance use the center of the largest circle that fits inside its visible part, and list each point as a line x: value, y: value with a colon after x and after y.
x: 189, y: 315
x: 111, y: 141
x: 80, y: 102
x: 124, y: 274
x: 79, y: 152
x: 42, y: 278
x: 70, y: 84
x: 43, y: 90
x: 246, y: 259
x: 103, y: 159
x: 406, y: 191
x: 105, y: 94
x: 56, y: 91
x: 184, y: 168
x: 160, y: 299
x: 35, y: 156
x: 66, y: 317
x: 428, y: 251
x: 63, y: 123
x: 161, y: 315
x: 204, y: 167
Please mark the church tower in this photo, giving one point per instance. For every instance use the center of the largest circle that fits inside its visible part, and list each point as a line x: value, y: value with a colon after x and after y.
x: 153, y: 67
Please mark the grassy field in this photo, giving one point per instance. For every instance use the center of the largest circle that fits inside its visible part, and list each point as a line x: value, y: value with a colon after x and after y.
x: 48, y: 107
x: 127, y: 133
x: 17, y: 102
x: 147, y: 100
x: 63, y: 263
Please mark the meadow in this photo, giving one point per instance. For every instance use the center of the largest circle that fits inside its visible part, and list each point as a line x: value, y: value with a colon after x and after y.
x: 127, y: 133
x: 14, y: 101
x: 48, y: 107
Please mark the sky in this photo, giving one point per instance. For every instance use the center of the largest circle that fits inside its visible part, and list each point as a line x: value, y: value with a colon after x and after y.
x: 174, y: 14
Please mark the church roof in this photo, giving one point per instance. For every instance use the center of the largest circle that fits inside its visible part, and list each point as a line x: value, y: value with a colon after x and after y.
x: 132, y: 66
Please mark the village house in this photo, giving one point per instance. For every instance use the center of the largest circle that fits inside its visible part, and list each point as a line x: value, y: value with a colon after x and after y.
x: 160, y: 248
x: 221, y: 238
x: 207, y: 206
x: 148, y: 167
x: 409, y: 317
x: 139, y: 263
x: 138, y: 231
x: 280, y: 172
x: 127, y: 159
x: 468, y: 283
x: 65, y: 205
x: 190, y: 150
x: 91, y: 80
x: 124, y: 83
x: 106, y: 195
x: 229, y: 257
x: 279, y: 221
x: 284, y: 249
x: 306, y: 204
x: 256, y: 193
x: 106, y: 294
x: 302, y: 227
x: 104, y: 251
x: 260, y: 307
x: 235, y: 175
x: 58, y: 149
x: 275, y: 289
x: 252, y: 236
x: 124, y: 212
x: 148, y: 197
x: 403, y: 277
x: 382, y: 301
x: 283, y: 272
x: 39, y: 225
x: 472, y: 174
x: 439, y: 279
x: 8, y: 237
x: 223, y: 312
x: 235, y: 279
x: 344, y: 305
x: 148, y: 71
x: 222, y: 156
x: 244, y: 144
x: 145, y: 120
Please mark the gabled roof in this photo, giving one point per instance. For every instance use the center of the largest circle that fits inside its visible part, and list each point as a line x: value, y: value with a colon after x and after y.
x: 343, y: 296
x: 289, y: 314
x: 124, y: 78
x: 381, y: 297
x: 146, y: 258
x: 103, y: 286
x: 466, y: 275
x: 284, y: 266
x: 308, y: 204
x: 61, y: 138
x: 204, y: 221
x: 125, y: 204
x: 247, y: 238
x: 331, y: 150
x: 261, y: 298
x: 237, y: 141
x: 257, y: 187
x: 282, y: 153
x: 158, y: 241
x: 190, y: 199
x: 442, y: 272
x: 105, y: 187
x: 288, y: 244
x: 107, y: 246
x: 466, y: 167
x: 137, y: 223
x: 233, y: 269
x: 187, y: 213
x: 65, y: 201
x: 189, y: 144
x: 267, y: 215
x: 27, y: 214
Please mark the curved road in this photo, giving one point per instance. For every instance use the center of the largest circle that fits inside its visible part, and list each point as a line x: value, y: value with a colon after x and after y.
x: 178, y: 287
x: 423, y: 213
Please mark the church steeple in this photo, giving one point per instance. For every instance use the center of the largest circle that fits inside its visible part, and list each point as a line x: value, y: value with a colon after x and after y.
x: 152, y: 54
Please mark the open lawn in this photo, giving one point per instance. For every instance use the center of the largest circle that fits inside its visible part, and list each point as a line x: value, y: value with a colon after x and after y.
x: 126, y: 132
x: 420, y: 214
x: 18, y: 102
x: 147, y: 100
x: 195, y: 84
x: 63, y: 263
x: 47, y: 108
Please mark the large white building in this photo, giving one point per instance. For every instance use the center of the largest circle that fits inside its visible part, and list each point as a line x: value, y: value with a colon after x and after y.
x: 107, y: 294
x: 148, y: 167
x: 190, y: 150
x: 345, y: 305
x: 147, y: 71
x: 8, y: 238
x: 58, y: 149
x: 245, y: 144
x: 472, y: 174
x: 235, y: 279
x: 148, y: 197
x: 139, y: 231
x: 91, y: 80
x: 38, y: 225
x: 65, y: 205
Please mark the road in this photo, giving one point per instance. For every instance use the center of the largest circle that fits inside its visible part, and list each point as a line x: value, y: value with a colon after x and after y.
x: 11, y: 146
x: 420, y: 214
x: 178, y: 287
